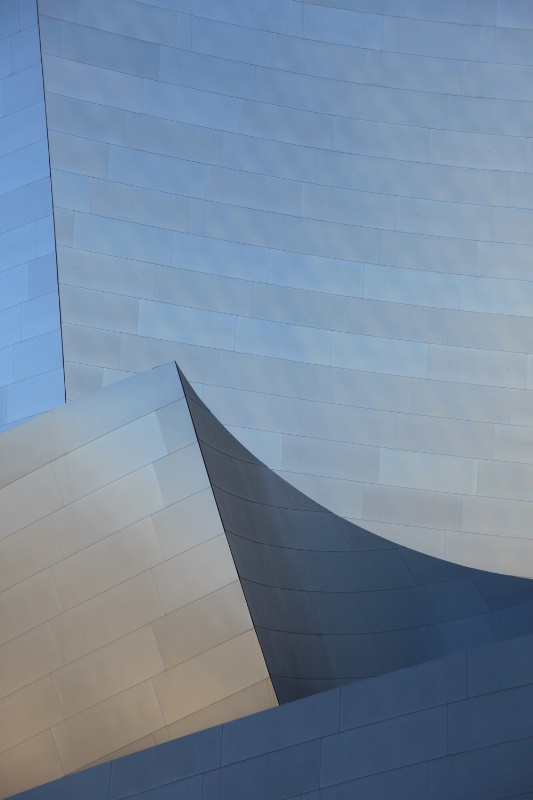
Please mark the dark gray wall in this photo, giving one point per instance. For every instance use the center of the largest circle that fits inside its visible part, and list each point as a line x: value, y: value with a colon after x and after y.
x: 332, y: 602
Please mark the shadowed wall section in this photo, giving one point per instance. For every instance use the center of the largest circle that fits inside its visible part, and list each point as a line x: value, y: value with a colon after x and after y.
x: 330, y: 601
x: 323, y: 211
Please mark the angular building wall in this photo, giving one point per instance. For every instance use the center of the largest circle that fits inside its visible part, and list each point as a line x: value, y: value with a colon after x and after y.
x: 31, y: 356
x: 460, y: 727
x: 122, y: 620
x: 322, y: 211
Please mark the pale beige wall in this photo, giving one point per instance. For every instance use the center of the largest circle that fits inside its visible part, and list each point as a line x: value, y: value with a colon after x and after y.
x: 122, y: 621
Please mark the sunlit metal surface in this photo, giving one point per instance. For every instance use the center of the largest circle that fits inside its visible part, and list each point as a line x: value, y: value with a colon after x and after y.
x: 340, y: 193
x: 122, y: 619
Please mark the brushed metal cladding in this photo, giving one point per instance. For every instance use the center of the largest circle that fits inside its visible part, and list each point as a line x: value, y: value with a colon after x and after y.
x: 461, y: 724
x: 122, y: 620
x: 31, y: 356
x: 339, y: 190
x: 332, y: 602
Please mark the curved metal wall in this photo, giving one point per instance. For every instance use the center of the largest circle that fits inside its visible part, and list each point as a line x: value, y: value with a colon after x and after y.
x: 340, y: 191
x: 332, y: 603
x: 31, y: 356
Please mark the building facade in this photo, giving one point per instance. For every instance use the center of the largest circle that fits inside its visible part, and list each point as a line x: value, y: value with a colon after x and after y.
x: 321, y: 211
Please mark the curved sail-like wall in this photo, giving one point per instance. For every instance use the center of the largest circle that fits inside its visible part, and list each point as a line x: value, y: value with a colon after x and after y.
x: 332, y: 603
x: 338, y: 191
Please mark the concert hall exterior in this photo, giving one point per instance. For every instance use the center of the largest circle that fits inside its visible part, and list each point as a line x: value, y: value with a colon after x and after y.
x: 266, y: 384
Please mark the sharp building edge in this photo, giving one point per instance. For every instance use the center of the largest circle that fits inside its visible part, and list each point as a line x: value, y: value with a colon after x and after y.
x: 321, y: 210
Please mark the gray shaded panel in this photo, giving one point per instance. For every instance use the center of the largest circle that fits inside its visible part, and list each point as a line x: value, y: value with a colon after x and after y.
x: 331, y: 601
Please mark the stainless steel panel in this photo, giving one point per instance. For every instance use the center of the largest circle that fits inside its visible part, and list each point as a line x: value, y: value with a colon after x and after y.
x: 108, y: 671
x: 123, y: 239
x: 342, y: 26
x: 199, y: 71
x: 176, y: 426
x: 256, y: 191
x: 210, y: 292
x: 121, y: 276
x: 231, y: 259
x: 220, y: 671
x: 32, y: 396
x: 182, y: 104
x: 413, y: 286
x: 107, y: 726
x: 265, y: 445
x: 428, y: 471
x: 82, y: 118
x: 135, y: 204
x: 154, y: 171
x: 97, y: 415
x: 299, y: 55
x: 371, y: 353
x: 195, y: 573
x: 27, y: 658
x: 190, y: 325
x: 156, y: 23
x: 413, y: 507
x: 255, y: 410
x: 477, y: 366
x: 338, y: 459
x: 101, y: 85
x: 187, y: 523
x: 107, y: 617
x: 104, y: 49
x: 258, y: 697
x: 229, y: 41
x: 406, y: 71
x: 285, y: 124
x: 107, y: 563
x: 22, y: 128
x: 201, y: 625
x: 27, y: 605
x: 107, y: 510
x: 380, y: 139
x: 477, y: 150
x: 30, y: 763
x: 99, y: 309
x: 264, y: 338
x: 28, y: 552
x: 28, y: 499
x: 28, y: 712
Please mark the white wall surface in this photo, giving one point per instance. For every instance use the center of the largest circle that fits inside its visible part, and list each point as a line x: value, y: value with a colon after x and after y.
x: 324, y: 212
